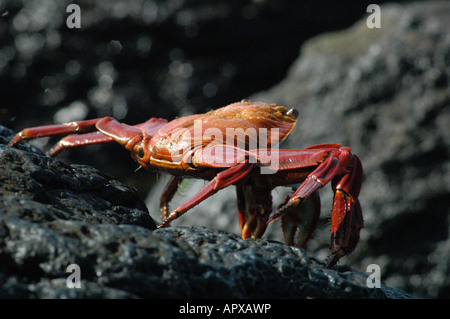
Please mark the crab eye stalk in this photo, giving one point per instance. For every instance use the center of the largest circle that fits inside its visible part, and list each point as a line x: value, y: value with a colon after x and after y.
x: 292, y: 113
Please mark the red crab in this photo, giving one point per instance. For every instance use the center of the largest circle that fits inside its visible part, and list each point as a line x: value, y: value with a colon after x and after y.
x: 237, y: 145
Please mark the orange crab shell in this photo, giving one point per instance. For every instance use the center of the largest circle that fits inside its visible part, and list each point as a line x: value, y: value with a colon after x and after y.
x: 245, y: 120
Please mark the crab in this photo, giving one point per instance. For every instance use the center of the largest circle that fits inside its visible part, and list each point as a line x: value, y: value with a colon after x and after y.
x: 237, y: 145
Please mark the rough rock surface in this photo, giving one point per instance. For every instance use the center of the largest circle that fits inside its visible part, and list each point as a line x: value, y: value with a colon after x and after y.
x: 54, y: 214
x: 385, y: 93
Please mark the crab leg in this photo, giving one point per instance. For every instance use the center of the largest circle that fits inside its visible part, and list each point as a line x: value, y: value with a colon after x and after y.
x: 110, y: 127
x: 317, y: 179
x: 299, y: 222
x: 167, y: 195
x: 254, y: 206
x: 109, y: 130
x: 221, y: 180
x: 79, y: 140
x: 347, y: 218
x: 55, y: 130
x: 214, y: 156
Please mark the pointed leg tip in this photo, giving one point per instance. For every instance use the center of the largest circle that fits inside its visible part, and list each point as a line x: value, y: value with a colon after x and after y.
x: 274, y: 216
x: 331, y: 261
x: 15, y: 140
x: 163, y: 224
x: 55, y: 150
x: 283, y: 209
x: 334, y: 258
x: 166, y: 222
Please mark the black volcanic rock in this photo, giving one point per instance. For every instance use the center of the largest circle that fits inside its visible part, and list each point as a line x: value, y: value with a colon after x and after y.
x: 53, y: 215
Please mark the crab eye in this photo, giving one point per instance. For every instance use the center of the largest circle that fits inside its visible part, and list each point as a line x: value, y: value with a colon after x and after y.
x: 292, y: 113
x: 141, y: 152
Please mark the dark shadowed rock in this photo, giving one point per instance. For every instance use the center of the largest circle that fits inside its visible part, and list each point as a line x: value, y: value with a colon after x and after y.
x: 54, y: 214
x: 40, y: 188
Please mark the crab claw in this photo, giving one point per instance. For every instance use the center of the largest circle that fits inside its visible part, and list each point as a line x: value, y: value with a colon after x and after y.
x: 299, y: 222
x: 254, y: 205
x: 347, y: 219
